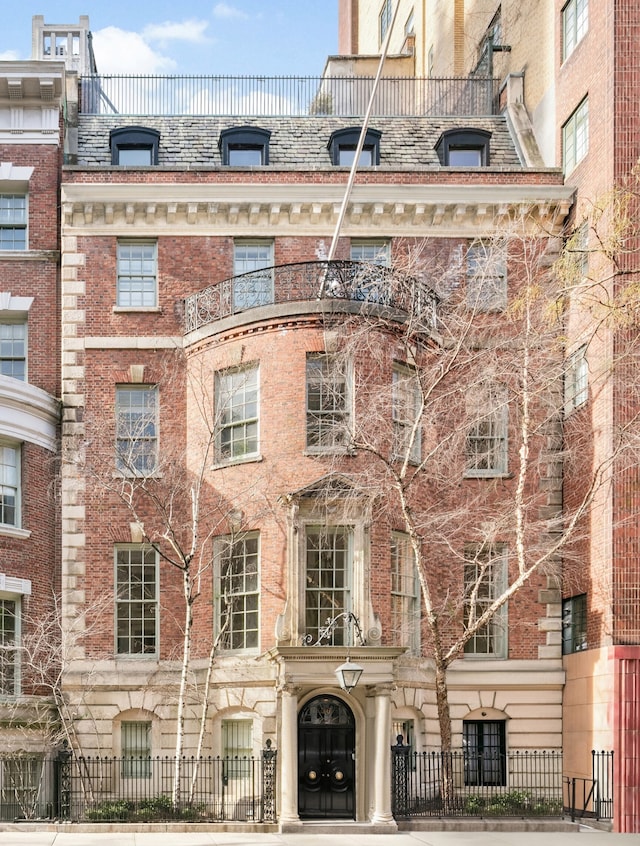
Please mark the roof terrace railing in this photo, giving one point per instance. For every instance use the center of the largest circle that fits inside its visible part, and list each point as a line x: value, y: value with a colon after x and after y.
x: 283, y: 96
x: 358, y: 282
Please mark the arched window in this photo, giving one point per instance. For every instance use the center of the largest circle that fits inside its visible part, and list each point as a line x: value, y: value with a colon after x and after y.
x: 244, y: 146
x: 134, y: 146
x: 343, y: 143
x: 464, y: 148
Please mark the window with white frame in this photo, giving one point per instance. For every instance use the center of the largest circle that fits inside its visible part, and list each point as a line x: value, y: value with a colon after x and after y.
x: 9, y: 646
x: 9, y: 485
x: 135, y: 744
x: 486, y: 276
x: 575, y: 137
x: 371, y: 284
x: 236, y: 740
x: 13, y: 349
x: 405, y: 597
x: 485, y: 579
x: 487, y: 438
x: 371, y: 251
x: 13, y: 222
x: 406, y: 405
x: 328, y: 579
x: 137, y: 285
x: 576, y: 380
x: 575, y: 23
x: 386, y: 14
x: 237, y: 408
x: 253, y: 274
x: 136, y: 600
x: 238, y: 592
x: 137, y: 429
x: 328, y: 403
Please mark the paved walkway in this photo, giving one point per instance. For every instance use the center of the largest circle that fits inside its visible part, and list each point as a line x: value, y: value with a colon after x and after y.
x: 587, y: 837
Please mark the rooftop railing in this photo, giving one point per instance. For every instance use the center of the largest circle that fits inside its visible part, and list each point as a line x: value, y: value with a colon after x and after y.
x: 255, y: 96
x: 354, y: 281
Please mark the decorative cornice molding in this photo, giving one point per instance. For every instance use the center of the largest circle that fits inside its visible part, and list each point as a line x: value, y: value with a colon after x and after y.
x: 238, y: 208
x: 28, y: 413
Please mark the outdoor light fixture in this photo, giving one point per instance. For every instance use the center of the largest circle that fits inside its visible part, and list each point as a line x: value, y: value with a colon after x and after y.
x: 348, y: 674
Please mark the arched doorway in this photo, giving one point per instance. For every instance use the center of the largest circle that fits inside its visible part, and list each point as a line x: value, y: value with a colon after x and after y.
x: 326, y: 766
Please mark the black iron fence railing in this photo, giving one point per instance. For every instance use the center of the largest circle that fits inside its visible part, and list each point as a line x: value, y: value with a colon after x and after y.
x: 139, y: 789
x: 591, y: 797
x: 489, y: 784
x: 342, y: 96
x: 305, y: 281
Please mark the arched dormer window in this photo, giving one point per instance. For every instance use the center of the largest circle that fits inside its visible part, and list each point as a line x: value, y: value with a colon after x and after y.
x: 244, y: 146
x: 134, y: 146
x: 343, y: 143
x: 464, y: 148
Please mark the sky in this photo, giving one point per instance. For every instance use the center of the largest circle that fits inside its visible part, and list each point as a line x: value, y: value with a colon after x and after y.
x: 219, y: 37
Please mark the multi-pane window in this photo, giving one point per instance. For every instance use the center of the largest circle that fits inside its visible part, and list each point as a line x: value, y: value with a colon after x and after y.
x: 9, y: 485
x: 574, y: 624
x: 575, y: 137
x: 575, y: 23
x: 486, y: 447
x: 236, y: 413
x: 236, y: 739
x: 253, y: 274
x: 371, y: 251
x: 329, y: 552
x: 13, y: 350
x: 484, y: 746
x: 328, y: 403
x: 135, y: 742
x: 137, y: 274
x: 22, y: 776
x: 406, y: 406
x: 486, y: 275
x: 136, y: 601
x: 9, y: 647
x: 385, y: 18
x: 238, y: 592
x: 369, y: 283
x: 576, y: 380
x: 13, y: 222
x: 405, y: 598
x: 485, y: 579
x: 137, y: 429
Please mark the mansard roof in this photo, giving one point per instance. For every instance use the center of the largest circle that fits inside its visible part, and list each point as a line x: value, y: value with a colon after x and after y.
x: 407, y: 143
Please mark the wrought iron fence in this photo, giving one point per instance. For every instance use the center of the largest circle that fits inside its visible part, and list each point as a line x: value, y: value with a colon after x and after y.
x: 304, y: 281
x: 591, y: 797
x: 460, y: 783
x: 343, y: 96
x: 140, y: 789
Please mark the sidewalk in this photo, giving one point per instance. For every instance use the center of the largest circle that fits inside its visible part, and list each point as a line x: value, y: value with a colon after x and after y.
x: 91, y: 836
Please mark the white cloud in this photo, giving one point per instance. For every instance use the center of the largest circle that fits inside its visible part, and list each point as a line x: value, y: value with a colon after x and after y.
x: 9, y: 56
x: 119, y: 51
x: 192, y: 31
x: 223, y: 10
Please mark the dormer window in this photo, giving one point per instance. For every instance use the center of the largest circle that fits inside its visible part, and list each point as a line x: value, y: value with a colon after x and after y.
x: 464, y: 148
x: 244, y: 146
x: 134, y: 146
x: 344, y: 142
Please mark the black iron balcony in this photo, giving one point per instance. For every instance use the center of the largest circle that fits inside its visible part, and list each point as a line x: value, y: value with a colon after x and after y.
x: 354, y: 281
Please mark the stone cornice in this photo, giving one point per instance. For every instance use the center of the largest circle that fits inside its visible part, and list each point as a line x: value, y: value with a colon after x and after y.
x: 187, y: 209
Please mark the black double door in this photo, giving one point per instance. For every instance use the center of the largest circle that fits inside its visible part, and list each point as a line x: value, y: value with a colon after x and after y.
x: 326, y: 765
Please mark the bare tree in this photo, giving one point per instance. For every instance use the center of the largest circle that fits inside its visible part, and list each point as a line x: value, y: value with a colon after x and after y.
x: 459, y: 402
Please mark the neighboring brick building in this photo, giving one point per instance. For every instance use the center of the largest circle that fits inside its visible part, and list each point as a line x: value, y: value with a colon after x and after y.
x: 30, y: 160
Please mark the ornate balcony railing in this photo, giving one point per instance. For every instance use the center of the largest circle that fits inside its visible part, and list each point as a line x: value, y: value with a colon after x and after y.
x: 358, y: 282
x: 287, y: 96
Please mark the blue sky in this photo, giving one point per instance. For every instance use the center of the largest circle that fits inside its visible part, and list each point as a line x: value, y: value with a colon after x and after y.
x: 253, y: 37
